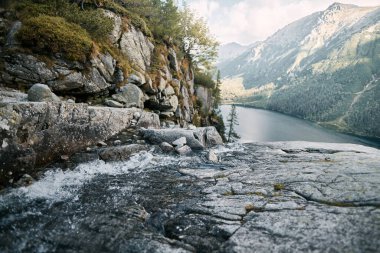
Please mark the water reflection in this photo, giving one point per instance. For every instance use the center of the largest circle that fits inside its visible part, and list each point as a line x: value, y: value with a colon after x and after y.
x: 266, y: 126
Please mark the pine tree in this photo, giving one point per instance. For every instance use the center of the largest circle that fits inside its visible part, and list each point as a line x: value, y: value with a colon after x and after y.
x: 232, y: 121
x: 217, y: 91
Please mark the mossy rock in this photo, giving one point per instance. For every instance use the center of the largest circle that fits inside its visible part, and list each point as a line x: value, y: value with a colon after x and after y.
x: 47, y: 34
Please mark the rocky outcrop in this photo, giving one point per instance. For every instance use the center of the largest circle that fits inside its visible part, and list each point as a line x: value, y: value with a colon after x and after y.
x: 134, y: 61
x: 35, y: 134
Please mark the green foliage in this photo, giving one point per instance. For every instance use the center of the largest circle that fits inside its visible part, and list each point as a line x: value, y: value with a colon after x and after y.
x: 46, y: 34
x: 92, y: 20
x: 204, y: 79
x: 216, y: 92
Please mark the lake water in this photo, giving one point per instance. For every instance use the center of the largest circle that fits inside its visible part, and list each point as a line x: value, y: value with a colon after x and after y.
x: 256, y: 125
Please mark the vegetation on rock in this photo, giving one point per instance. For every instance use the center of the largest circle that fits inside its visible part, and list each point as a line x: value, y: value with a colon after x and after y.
x: 55, y: 35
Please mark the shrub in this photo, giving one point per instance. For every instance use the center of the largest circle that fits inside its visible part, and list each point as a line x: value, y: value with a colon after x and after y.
x: 204, y: 79
x: 46, y: 34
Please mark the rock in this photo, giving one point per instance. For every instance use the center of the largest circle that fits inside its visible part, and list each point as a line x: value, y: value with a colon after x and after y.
x: 191, y: 127
x: 162, y: 84
x: 166, y: 147
x: 25, y: 180
x: 65, y: 157
x: 27, y: 69
x: 9, y: 95
x: 170, y: 104
x: 106, y: 65
x: 172, y: 56
x: 169, y: 135
x: 137, y: 115
x: 39, y: 133
x: 117, y: 26
x: 122, y: 152
x: 167, y: 114
x: 136, y: 47
x: 169, y: 91
x: 101, y: 144
x: 136, y: 80
x: 118, y: 75
x: 183, y: 150
x: 209, y: 136
x: 149, y: 121
x: 148, y: 87
x: 131, y: 96
x: 117, y: 142
x: 41, y: 93
x: 113, y: 103
x: 179, y: 142
x: 71, y: 101
x: 212, y: 157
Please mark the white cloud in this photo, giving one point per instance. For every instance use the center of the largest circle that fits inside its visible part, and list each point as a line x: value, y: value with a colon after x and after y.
x: 246, y: 21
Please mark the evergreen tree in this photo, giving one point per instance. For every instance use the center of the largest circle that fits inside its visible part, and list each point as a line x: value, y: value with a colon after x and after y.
x: 217, y: 91
x: 232, y: 121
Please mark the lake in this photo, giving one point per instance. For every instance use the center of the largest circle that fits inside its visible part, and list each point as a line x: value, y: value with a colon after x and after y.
x: 257, y: 125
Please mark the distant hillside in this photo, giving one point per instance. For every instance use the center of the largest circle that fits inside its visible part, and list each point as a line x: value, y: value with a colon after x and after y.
x: 324, y: 67
x: 230, y: 50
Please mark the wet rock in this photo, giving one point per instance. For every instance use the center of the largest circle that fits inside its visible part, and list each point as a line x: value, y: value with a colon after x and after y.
x: 179, y: 142
x: 212, y: 157
x: 38, y: 133
x: 122, y: 152
x: 113, y: 103
x: 166, y: 147
x: 131, y: 96
x: 25, y: 180
x: 41, y: 93
x: 183, y: 150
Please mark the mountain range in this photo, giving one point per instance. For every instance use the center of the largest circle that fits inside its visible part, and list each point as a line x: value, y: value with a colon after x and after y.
x: 324, y: 67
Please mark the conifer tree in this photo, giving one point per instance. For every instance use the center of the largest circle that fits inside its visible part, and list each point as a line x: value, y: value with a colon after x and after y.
x: 232, y: 121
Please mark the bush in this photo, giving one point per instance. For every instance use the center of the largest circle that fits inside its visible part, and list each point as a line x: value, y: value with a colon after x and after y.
x: 204, y: 79
x: 46, y: 34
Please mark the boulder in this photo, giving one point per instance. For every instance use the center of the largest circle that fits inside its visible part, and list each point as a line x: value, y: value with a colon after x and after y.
x: 179, y: 142
x: 106, y: 65
x: 41, y: 93
x: 148, y: 120
x: 121, y: 153
x: 35, y: 134
x: 170, y: 104
x: 200, y: 138
x: 184, y: 150
x: 166, y: 147
x: 131, y: 96
x: 148, y: 87
x: 212, y: 157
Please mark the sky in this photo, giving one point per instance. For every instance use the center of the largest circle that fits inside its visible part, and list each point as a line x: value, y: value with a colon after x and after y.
x: 248, y: 21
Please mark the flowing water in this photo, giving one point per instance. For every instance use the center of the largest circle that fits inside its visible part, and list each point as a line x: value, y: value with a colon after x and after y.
x: 257, y: 125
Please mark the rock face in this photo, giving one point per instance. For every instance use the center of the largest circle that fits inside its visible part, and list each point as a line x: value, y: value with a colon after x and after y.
x: 274, y: 197
x: 323, y: 67
x: 199, y: 138
x: 35, y: 134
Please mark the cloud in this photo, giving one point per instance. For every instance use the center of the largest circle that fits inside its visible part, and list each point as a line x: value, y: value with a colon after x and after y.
x: 247, y: 21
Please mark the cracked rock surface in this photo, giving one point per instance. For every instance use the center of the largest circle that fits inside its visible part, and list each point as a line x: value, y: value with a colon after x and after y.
x: 269, y: 197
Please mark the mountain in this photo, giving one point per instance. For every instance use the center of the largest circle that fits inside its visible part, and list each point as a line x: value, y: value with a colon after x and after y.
x: 230, y: 50
x: 324, y: 67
